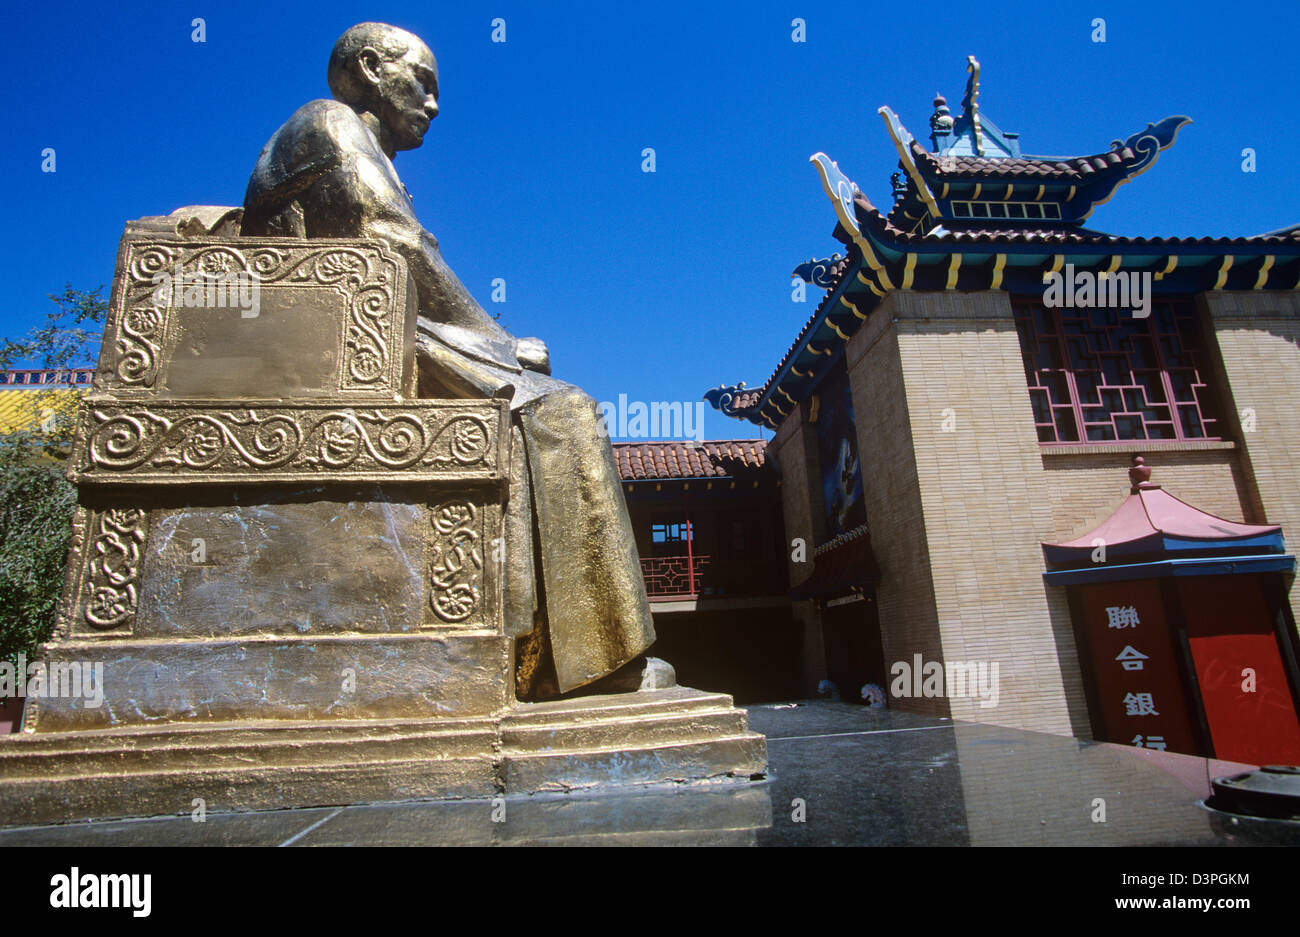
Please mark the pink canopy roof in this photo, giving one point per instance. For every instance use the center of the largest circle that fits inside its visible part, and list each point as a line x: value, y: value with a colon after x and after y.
x: 1150, y: 512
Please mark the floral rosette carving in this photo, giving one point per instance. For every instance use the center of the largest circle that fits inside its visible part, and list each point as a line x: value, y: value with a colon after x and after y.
x: 467, y: 439
x: 342, y: 437
x: 457, y: 563
x: 218, y: 261
x: 336, y: 266
x: 139, y: 339
x: 115, y: 568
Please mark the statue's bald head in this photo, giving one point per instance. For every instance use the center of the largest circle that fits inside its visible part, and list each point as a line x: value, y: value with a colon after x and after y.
x: 390, y: 78
x: 389, y: 42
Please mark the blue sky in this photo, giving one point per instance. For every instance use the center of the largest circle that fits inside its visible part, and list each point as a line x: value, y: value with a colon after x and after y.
x: 657, y: 285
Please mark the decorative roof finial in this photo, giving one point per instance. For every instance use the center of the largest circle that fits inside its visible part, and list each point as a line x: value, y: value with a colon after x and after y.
x: 970, y: 104
x: 941, y: 120
x: 1139, y: 475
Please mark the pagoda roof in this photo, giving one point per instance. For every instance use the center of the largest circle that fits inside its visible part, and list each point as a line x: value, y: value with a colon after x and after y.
x: 884, y: 257
x: 892, y: 238
x: 1066, y: 169
x: 1152, y: 533
x: 970, y: 151
x: 1022, y: 221
x: 1152, y: 523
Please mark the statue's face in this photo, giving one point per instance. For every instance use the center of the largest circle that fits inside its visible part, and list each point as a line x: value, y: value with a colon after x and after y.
x: 408, y: 96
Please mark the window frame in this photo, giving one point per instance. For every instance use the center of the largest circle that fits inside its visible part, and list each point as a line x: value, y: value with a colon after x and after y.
x: 1207, y: 397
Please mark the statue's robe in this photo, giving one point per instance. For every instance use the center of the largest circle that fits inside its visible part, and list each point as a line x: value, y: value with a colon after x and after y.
x: 324, y: 175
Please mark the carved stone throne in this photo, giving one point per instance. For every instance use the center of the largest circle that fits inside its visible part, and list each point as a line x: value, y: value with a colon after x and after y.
x: 291, y: 567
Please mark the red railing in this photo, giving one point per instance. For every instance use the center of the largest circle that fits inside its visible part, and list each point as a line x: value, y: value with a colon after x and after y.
x: 673, y: 577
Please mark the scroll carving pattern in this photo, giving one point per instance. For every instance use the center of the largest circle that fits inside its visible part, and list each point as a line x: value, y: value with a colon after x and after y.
x: 113, y: 578
x: 362, y: 275
x: 139, y: 443
x: 456, y: 567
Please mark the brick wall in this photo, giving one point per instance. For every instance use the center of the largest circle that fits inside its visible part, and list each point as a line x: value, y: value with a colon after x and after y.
x: 905, y: 598
x: 793, y: 450
x: 959, y: 494
x: 944, y: 418
x: 1258, y: 334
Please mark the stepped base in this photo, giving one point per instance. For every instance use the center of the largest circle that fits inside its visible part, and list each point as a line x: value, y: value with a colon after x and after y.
x: 652, y: 737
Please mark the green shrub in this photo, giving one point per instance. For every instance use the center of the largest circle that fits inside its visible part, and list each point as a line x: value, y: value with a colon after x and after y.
x: 36, y: 501
x: 36, y: 504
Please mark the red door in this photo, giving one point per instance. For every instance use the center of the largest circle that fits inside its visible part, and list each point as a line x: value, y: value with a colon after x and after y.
x: 1248, y: 701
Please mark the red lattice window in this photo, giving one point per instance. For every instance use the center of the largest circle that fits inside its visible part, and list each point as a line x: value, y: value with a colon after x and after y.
x: 1100, y: 375
x: 672, y: 576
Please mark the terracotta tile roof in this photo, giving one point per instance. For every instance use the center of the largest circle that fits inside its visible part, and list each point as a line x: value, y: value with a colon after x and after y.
x: 723, y: 458
x: 747, y: 398
x: 1073, y: 169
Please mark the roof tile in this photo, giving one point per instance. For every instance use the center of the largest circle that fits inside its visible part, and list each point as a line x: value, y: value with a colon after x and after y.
x: 723, y: 458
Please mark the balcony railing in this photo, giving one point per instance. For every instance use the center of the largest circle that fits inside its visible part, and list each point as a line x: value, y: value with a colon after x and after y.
x: 673, y: 577
x: 47, y: 377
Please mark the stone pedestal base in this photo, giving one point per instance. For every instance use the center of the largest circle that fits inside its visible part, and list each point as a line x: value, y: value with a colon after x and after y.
x: 264, y: 678
x: 292, y: 579
x: 670, y: 736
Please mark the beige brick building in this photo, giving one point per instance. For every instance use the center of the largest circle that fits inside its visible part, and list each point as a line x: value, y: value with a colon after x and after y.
x: 989, y: 368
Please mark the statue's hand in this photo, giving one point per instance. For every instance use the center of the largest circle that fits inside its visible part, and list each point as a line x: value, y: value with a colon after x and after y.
x: 533, y: 355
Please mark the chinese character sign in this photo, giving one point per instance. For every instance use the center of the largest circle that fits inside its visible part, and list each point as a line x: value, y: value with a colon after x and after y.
x: 1136, y: 665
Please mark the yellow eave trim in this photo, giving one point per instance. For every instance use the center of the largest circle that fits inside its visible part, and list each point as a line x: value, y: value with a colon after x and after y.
x: 870, y: 284
x: 1264, y: 268
x: 999, y: 262
x: 850, y: 224
x: 1223, y: 271
x: 954, y: 265
x: 1058, y: 261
